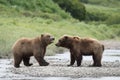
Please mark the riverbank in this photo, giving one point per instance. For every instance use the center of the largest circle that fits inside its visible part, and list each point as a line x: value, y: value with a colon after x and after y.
x: 58, y: 68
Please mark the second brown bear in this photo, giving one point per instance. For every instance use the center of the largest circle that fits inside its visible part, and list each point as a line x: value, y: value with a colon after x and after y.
x: 24, y: 48
x: 82, y: 46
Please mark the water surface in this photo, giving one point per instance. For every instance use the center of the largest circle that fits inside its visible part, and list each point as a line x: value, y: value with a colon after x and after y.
x: 108, y: 56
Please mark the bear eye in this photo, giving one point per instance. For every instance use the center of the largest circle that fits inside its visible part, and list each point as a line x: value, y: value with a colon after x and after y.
x: 60, y: 41
x: 48, y: 36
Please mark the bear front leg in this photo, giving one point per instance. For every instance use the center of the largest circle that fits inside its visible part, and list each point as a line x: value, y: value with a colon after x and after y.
x: 79, y: 59
x: 41, y: 61
x: 72, y: 60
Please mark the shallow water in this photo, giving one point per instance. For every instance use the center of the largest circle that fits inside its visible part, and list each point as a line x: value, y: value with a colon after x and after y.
x: 108, y: 55
x: 68, y: 78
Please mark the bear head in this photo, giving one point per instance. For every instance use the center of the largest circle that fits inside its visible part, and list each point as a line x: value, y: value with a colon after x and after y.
x: 65, y: 41
x: 47, y: 38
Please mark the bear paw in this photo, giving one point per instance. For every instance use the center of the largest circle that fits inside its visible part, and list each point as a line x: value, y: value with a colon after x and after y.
x: 44, y: 64
x: 29, y: 64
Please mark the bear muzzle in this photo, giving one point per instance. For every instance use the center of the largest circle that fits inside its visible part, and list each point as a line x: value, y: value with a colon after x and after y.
x: 52, y: 39
x: 57, y: 44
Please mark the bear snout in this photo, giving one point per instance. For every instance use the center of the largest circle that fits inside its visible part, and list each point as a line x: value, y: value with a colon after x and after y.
x: 52, y: 39
x: 57, y: 44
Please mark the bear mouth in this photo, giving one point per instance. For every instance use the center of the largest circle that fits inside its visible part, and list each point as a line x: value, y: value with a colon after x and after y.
x: 57, y: 45
x: 52, y: 40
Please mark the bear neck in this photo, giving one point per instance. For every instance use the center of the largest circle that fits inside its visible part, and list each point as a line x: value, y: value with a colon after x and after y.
x: 41, y: 42
x: 69, y: 46
x: 72, y: 45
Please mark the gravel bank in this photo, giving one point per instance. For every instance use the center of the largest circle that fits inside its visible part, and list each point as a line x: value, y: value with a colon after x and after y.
x: 59, y: 68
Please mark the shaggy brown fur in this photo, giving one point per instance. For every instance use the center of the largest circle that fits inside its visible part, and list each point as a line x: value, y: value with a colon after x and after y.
x: 24, y: 48
x: 82, y: 46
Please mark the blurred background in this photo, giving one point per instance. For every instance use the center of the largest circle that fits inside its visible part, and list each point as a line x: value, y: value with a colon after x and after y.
x: 98, y: 19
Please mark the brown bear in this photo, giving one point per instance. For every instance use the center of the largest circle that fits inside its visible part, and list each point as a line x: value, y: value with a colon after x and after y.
x: 82, y: 46
x: 24, y: 48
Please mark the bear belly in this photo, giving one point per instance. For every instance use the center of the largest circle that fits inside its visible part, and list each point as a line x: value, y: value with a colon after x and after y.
x: 87, y: 53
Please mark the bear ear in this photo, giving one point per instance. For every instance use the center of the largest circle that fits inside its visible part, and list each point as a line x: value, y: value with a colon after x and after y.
x: 66, y: 37
x: 76, y: 38
x: 42, y: 35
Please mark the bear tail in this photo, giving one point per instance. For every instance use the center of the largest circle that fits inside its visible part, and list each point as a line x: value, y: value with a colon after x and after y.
x: 103, y: 47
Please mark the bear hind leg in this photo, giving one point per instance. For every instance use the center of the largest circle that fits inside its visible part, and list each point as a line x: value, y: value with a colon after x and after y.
x: 97, y: 61
x: 26, y: 61
x: 79, y: 60
x: 94, y: 61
